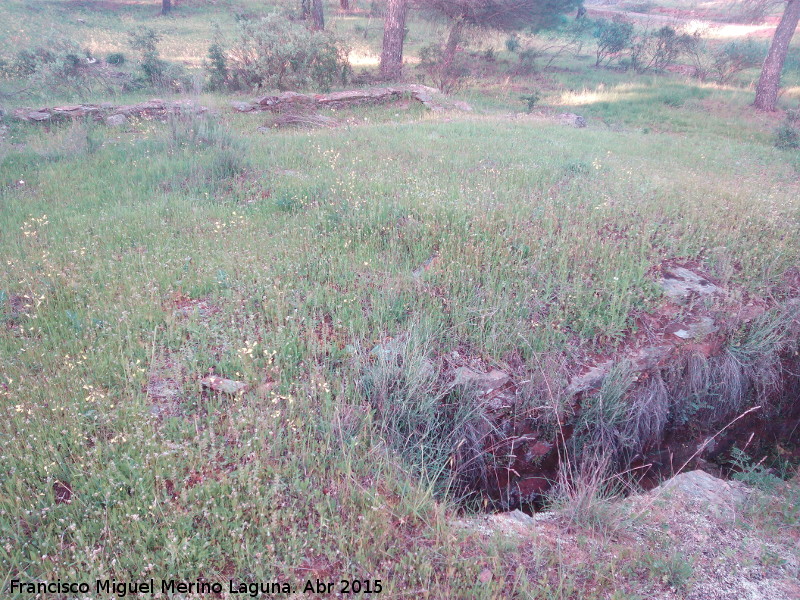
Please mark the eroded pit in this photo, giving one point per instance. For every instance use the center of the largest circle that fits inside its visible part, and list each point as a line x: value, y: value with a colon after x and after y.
x: 714, y: 371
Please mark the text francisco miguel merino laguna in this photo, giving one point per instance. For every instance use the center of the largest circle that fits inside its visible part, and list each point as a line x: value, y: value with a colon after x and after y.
x: 120, y: 589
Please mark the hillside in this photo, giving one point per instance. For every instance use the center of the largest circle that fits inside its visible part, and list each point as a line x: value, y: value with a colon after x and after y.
x: 448, y: 345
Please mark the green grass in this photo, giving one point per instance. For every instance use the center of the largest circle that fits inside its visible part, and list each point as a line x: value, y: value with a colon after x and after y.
x: 295, y: 252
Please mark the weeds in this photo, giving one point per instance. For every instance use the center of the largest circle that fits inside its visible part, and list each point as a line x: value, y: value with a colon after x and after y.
x: 753, y: 474
x: 442, y: 438
x: 585, y: 493
x: 673, y: 570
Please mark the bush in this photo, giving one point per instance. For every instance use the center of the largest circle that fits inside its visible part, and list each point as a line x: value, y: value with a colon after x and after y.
x: 531, y: 100
x: 274, y: 52
x: 61, y: 67
x: 116, y: 58
x: 217, y: 67
x: 727, y: 61
x: 753, y: 474
x: 193, y: 131
x: 512, y: 44
x: 612, y: 38
x: 527, y: 61
x: 734, y: 57
x: 657, y: 50
x: 787, y: 136
x: 145, y: 41
x: 440, y: 436
x: 215, y: 155
x: 450, y: 79
x: 154, y: 71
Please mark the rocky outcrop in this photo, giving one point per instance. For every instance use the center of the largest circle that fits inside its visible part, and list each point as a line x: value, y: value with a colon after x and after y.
x: 572, y: 119
x: 430, y: 97
x: 113, y: 115
x: 717, y: 497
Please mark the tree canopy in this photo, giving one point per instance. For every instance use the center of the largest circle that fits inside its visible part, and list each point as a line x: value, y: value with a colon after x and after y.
x: 506, y: 15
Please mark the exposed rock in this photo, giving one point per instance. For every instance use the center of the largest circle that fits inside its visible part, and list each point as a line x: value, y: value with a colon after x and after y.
x: 514, y: 523
x: 572, y: 119
x: 37, y: 116
x: 704, y: 492
x: 240, y: 106
x: 106, y: 111
x: 493, y: 387
x: 704, y: 326
x: 680, y: 283
x: 426, y: 265
x: 388, y: 350
x: 116, y: 120
x: 284, y: 100
x: 225, y: 386
x: 293, y: 101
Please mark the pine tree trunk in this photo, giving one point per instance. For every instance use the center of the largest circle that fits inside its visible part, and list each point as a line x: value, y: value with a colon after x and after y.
x: 317, y: 16
x: 394, y: 32
x: 450, y: 48
x: 770, y: 80
x: 166, y: 7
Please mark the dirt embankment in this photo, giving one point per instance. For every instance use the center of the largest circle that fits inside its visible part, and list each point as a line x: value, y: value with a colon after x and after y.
x: 714, y: 367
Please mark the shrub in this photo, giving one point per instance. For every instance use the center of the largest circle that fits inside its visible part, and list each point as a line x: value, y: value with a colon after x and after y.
x: 531, y: 99
x: 28, y: 61
x: 154, y: 71
x: 612, y: 38
x: 274, y: 52
x: 213, y: 155
x: 753, y: 474
x: 145, y: 41
x: 727, y: 61
x: 115, y: 58
x: 194, y: 131
x: 447, y: 78
x: 512, y: 44
x: 787, y: 136
x: 657, y: 50
x: 734, y: 57
x: 527, y: 61
x: 217, y: 67
x: 61, y: 67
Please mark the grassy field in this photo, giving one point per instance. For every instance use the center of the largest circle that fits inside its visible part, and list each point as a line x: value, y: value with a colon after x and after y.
x: 137, y: 260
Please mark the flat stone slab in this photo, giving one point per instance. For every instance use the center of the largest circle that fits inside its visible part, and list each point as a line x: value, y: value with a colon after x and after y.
x: 679, y: 283
x: 430, y: 97
x: 105, y: 111
x: 225, y: 386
